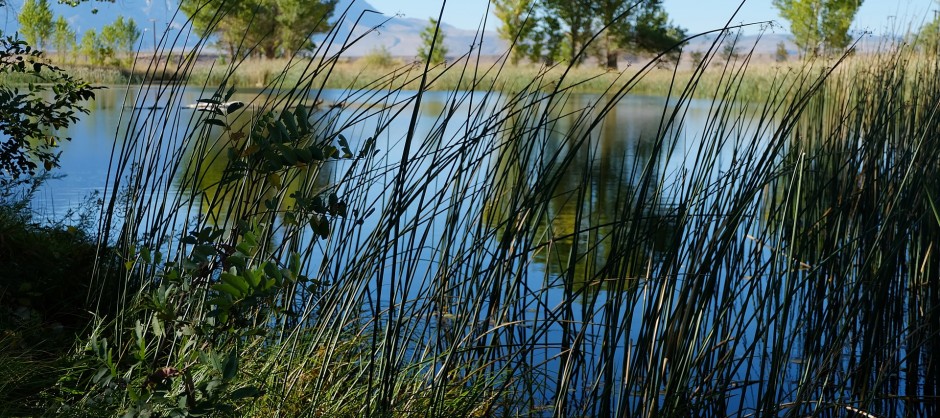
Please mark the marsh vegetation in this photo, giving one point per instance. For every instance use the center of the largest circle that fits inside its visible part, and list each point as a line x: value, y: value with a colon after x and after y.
x: 513, y: 251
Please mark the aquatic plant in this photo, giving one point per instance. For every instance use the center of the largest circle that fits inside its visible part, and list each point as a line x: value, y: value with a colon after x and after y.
x: 287, y: 259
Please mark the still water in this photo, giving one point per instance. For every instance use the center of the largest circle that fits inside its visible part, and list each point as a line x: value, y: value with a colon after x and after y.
x: 607, y: 270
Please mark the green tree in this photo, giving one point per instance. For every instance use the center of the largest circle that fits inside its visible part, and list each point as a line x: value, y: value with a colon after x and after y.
x: 927, y: 39
x: 549, y: 43
x: 30, y: 115
x: 781, y: 55
x: 568, y: 27
x: 95, y: 49
x: 518, y: 26
x: 432, y: 44
x: 819, y: 25
x: 36, y: 24
x: 577, y: 17
x: 121, y: 36
x: 268, y: 28
x: 63, y: 38
x: 645, y: 29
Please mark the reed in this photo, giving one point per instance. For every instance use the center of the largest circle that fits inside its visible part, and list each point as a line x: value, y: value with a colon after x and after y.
x: 280, y: 259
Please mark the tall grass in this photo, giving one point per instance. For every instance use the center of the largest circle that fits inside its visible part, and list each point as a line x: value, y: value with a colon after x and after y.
x: 354, y: 261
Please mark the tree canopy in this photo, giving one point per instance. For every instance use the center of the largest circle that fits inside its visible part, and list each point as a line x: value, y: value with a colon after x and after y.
x: 517, y: 26
x: 269, y: 28
x: 63, y: 37
x: 121, y: 35
x: 819, y: 25
x: 566, y: 29
x: 432, y: 49
x: 36, y: 24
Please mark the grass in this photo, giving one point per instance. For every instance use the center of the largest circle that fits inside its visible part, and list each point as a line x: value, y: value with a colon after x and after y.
x: 362, y: 73
x: 283, y: 260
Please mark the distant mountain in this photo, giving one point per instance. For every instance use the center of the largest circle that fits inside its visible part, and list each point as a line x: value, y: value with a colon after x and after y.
x: 401, y: 36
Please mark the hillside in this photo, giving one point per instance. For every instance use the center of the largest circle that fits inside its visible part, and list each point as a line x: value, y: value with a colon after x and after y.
x: 400, y: 35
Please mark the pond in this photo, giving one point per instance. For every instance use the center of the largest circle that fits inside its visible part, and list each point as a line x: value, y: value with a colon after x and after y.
x: 620, y: 251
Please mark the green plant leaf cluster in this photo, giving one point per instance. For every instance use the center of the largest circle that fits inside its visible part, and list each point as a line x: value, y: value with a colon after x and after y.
x: 181, y: 346
x: 432, y: 49
x: 31, y: 114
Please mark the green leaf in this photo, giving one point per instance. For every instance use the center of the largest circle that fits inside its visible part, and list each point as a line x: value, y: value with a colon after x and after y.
x: 275, y: 180
x: 158, y: 329
x: 238, y: 282
x: 291, y: 125
x: 252, y: 279
x: 230, y: 369
x: 229, y: 93
x: 229, y: 289
x: 216, y: 122
x: 321, y: 226
x: 233, y: 107
x: 272, y: 271
x: 245, y: 392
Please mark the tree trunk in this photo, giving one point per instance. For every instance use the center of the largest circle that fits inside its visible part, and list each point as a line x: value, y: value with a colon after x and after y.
x: 270, y: 50
x: 612, y: 58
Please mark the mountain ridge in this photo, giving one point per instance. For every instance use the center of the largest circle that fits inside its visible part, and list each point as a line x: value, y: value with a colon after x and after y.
x: 399, y: 35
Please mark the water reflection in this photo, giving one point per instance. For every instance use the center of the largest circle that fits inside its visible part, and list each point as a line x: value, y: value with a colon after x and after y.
x: 605, y: 218
x: 214, y: 174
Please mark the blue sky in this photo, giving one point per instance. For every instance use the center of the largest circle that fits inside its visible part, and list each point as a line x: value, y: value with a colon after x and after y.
x: 876, y: 16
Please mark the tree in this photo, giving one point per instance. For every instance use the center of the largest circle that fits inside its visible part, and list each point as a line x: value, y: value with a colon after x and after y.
x: 577, y: 17
x: 36, y: 24
x: 571, y: 25
x: 781, y: 55
x: 63, y: 38
x: 28, y: 119
x: 729, y: 51
x: 548, y: 41
x: 518, y: 26
x: 94, y: 49
x: 121, y: 36
x: 819, y: 24
x: 927, y: 39
x: 432, y: 44
x: 649, y: 30
x: 269, y: 28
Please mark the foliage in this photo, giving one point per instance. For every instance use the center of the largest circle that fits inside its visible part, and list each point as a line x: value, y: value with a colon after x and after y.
x: 94, y: 48
x: 378, y: 57
x: 268, y: 28
x: 179, y: 358
x: 491, y: 262
x: 432, y: 49
x: 576, y: 18
x: 29, y: 118
x: 518, y: 23
x: 44, y: 289
x: 36, y: 24
x: 63, y: 38
x: 574, y: 30
x: 928, y: 37
x: 781, y: 54
x: 819, y: 24
x: 635, y: 27
x: 120, y: 36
